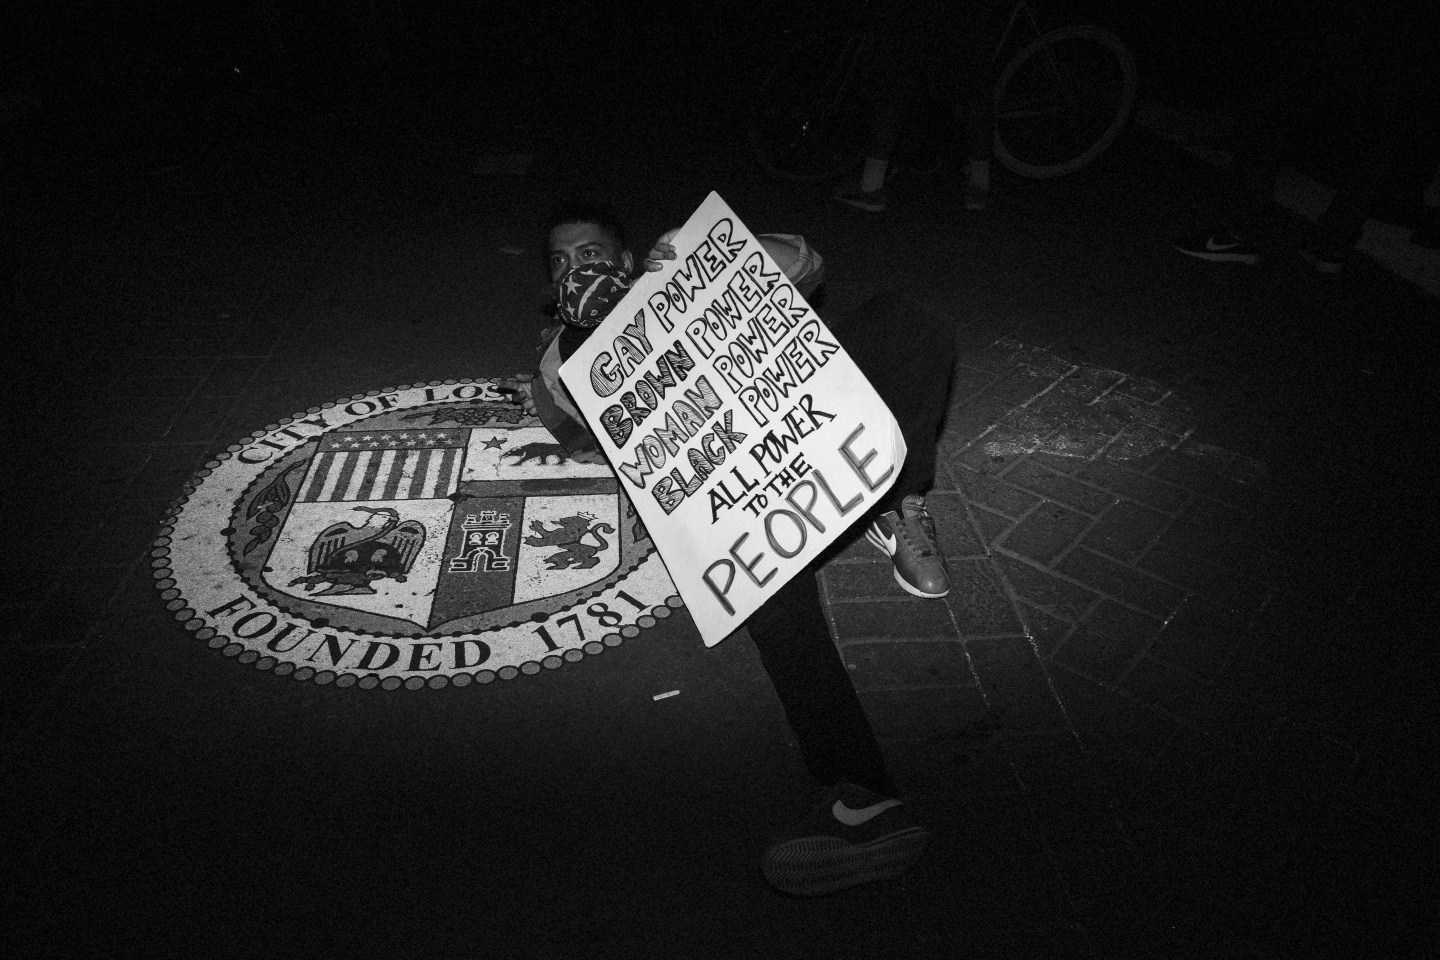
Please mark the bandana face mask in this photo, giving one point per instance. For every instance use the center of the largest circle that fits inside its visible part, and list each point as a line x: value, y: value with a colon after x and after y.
x: 587, y: 293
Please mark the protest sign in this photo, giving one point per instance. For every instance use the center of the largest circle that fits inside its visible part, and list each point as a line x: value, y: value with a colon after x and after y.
x: 746, y: 437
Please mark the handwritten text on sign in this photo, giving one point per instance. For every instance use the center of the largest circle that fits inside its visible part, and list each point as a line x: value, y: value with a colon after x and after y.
x: 746, y: 436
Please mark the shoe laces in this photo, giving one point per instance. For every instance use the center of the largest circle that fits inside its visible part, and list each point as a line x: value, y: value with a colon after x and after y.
x: 917, y: 527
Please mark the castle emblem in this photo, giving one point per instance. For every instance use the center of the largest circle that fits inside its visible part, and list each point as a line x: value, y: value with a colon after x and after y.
x: 484, y: 542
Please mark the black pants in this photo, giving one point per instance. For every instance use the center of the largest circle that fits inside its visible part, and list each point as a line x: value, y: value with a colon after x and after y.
x: 908, y: 356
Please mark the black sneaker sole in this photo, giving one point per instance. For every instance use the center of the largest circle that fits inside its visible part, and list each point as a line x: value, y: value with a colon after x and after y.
x: 815, y: 866
x: 1220, y: 257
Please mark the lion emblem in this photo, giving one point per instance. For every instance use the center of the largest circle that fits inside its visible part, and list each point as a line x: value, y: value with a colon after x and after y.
x: 568, y: 532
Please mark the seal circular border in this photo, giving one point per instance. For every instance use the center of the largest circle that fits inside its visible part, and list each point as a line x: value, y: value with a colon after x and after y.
x: 195, y: 623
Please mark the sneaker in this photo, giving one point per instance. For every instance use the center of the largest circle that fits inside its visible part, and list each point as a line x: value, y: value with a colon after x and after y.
x: 976, y: 198
x: 1325, y: 257
x: 852, y: 836
x: 908, y: 538
x: 874, y: 201
x: 1219, y: 244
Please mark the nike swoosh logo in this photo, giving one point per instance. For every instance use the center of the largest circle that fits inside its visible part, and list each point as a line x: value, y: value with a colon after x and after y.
x: 1210, y: 244
x: 886, y: 540
x: 853, y: 818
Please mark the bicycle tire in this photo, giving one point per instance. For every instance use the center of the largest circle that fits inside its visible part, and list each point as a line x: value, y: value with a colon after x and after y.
x: 1062, y: 100
x: 806, y: 122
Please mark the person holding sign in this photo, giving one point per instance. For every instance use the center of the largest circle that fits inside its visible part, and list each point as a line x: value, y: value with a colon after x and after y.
x: 859, y: 832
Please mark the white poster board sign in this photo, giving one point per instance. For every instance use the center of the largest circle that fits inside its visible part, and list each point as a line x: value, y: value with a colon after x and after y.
x: 746, y: 437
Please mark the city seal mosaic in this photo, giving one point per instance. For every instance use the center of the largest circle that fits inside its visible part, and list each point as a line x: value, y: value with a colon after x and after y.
x: 420, y: 537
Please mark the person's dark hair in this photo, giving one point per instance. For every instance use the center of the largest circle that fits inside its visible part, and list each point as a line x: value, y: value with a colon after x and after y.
x: 601, y: 215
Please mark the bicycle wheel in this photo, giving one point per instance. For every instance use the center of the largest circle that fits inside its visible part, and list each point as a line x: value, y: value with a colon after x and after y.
x: 1062, y: 100
x: 806, y: 122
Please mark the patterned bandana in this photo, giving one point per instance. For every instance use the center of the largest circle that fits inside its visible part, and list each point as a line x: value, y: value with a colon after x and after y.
x: 588, y: 293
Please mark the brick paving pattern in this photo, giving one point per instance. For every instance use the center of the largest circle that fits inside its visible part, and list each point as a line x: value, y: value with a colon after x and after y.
x: 1120, y: 591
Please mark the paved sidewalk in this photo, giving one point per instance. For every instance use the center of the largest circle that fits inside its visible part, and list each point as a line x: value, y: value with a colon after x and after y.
x: 1173, y: 707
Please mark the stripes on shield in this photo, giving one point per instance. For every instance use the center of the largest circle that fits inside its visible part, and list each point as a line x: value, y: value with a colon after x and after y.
x: 383, y: 474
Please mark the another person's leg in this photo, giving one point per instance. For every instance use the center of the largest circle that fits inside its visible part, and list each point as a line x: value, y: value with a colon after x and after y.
x: 858, y: 832
x: 908, y: 355
x: 1365, y: 167
x: 888, y: 111
x: 1275, y: 58
x: 965, y: 76
x: 892, y: 68
x: 1377, y: 121
x: 793, y: 637
x: 1229, y: 216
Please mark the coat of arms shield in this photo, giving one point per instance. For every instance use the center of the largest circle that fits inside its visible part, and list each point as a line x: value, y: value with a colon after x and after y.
x: 435, y: 521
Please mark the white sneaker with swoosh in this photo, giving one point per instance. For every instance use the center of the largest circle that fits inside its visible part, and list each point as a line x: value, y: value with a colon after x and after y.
x: 882, y: 538
x: 852, y: 836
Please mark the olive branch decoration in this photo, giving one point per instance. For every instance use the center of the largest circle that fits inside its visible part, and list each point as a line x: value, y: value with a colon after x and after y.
x: 263, y: 509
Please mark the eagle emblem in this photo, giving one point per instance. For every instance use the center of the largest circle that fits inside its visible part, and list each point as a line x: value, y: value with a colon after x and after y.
x: 348, y: 559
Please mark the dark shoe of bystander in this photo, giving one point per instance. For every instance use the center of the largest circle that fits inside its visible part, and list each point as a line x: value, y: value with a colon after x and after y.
x: 1218, y: 244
